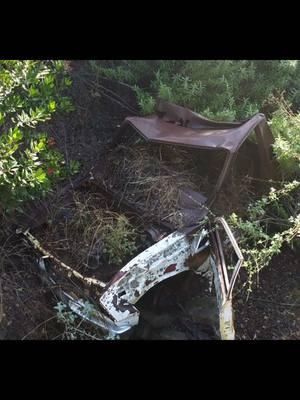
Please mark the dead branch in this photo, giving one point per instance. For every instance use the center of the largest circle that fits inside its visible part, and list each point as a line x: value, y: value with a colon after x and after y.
x: 275, y: 302
x: 71, y: 271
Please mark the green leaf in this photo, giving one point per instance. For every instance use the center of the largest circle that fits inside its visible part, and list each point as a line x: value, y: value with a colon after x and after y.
x: 52, y: 106
x: 68, y: 81
x: 40, y: 145
x: 40, y: 175
x: 33, y: 91
x: 17, y: 134
x: 74, y: 166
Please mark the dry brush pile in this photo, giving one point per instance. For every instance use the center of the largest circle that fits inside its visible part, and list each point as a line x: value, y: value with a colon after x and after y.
x: 89, y: 233
x: 154, y: 176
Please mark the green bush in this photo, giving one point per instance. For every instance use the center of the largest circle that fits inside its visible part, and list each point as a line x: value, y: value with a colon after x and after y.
x: 219, y: 89
x: 126, y: 71
x: 285, y: 125
x: 30, y: 92
x: 272, y: 221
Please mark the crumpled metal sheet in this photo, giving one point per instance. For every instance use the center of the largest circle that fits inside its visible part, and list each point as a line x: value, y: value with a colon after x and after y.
x: 174, y: 124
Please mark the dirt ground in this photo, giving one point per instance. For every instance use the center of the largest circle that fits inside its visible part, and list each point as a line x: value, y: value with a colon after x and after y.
x: 175, y: 309
x: 273, y: 308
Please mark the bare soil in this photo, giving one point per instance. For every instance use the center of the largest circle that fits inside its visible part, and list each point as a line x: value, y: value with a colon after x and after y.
x: 181, y: 308
x: 272, y: 310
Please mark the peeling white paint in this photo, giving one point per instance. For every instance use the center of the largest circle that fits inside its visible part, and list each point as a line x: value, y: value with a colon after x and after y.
x: 164, y: 259
x: 159, y: 262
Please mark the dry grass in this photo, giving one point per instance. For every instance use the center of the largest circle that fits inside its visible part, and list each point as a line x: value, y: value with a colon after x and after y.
x: 87, y: 231
x: 153, y: 177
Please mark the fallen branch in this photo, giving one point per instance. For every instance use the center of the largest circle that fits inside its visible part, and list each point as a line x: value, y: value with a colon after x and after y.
x: 71, y: 271
x: 112, y: 96
x: 116, y: 95
x: 279, y: 304
x: 118, y: 102
x: 115, y: 81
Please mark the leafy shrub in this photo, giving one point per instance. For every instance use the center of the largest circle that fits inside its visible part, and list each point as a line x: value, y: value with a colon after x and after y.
x: 272, y: 221
x: 30, y: 92
x: 285, y: 125
x: 145, y: 101
x: 219, y: 89
x: 127, y: 71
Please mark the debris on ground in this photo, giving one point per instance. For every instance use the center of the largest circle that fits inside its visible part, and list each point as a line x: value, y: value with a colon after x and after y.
x: 77, y: 232
x: 153, y: 177
x: 92, y: 234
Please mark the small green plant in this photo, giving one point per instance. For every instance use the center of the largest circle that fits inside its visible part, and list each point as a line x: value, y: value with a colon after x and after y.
x: 73, y: 324
x: 98, y: 233
x: 145, y: 101
x: 117, y: 73
x: 119, y: 240
x: 68, y: 319
x: 268, y: 226
x: 29, y: 167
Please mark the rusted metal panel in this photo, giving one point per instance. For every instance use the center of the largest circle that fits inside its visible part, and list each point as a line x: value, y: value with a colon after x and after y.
x: 176, y: 125
x: 77, y: 305
x: 180, y: 126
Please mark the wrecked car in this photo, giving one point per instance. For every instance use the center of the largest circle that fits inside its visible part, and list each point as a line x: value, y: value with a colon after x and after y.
x: 162, y: 170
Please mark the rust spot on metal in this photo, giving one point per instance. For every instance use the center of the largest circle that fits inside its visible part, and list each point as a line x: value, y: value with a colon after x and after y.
x: 170, y: 268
